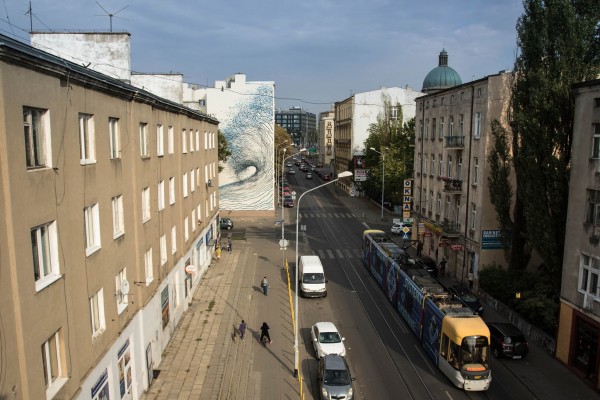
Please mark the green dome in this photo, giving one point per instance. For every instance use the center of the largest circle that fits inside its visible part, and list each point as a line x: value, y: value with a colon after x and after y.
x: 441, y: 77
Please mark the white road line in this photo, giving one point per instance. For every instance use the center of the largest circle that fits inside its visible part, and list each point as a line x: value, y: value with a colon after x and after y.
x: 321, y: 253
x: 339, y: 253
x: 330, y: 253
x: 348, y: 253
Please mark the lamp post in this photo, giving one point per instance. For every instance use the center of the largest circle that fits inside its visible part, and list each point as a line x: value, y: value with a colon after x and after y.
x: 382, y: 177
x: 282, y: 207
x: 277, y: 153
x: 296, y: 350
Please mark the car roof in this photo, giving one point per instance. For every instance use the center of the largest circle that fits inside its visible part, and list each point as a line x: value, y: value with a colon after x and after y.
x: 326, y: 327
x: 334, y: 361
x: 506, y: 328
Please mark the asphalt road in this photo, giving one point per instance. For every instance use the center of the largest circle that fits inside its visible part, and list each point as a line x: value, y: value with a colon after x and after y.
x: 385, y: 358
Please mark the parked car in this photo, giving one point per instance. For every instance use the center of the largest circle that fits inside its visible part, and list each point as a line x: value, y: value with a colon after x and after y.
x: 226, y: 223
x: 326, y: 339
x: 334, y: 379
x: 288, y: 201
x: 507, y: 340
x: 289, y: 164
x: 309, y: 176
x: 292, y: 172
x: 465, y: 296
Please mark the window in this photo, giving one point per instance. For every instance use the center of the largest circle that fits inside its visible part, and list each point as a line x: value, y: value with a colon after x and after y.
x: 421, y: 128
x: 451, y: 99
x: 394, y: 113
x: 596, y: 141
x: 425, y: 164
x: 44, y: 245
x: 52, y: 359
x: 148, y: 267
x: 589, y: 270
x: 145, y: 204
x: 477, y: 125
x: 173, y: 240
x: 197, y: 140
x: 186, y: 230
x: 597, y: 102
x: 205, y: 140
x: 160, y: 141
x: 183, y: 141
x: 433, y: 128
x: 193, y: 220
x: 192, y: 181
x: 457, y: 216
x: 185, y: 184
x: 144, y: 140
x: 462, y: 96
x: 191, y: 140
x: 92, y: 229
x: 199, y: 214
x: 440, y: 166
x: 441, y: 127
x: 37, y: 138
x: 161, y: 195
x: 451, y: 127
x: 432, y: 164
x: 87, y: 144
x: 473, y: 215
x: 171, y: 190
x: 163, y: 249
x: 593, y: 214
x: 475, y: 170
x: 430, y: 200
x: 447, y: 209
x: 461, y: 124
x: 434, y: 102
x: 122, y: 299
x: 439, y: 204
x: 449, y: 172
x: 97, y: 313
x: 478, y: 92
x: 170, y: 141
x: 118, y: 216
x: 114, y: 138
x: 419, y: 163
x: 459, y: 168
x: 427, y: 128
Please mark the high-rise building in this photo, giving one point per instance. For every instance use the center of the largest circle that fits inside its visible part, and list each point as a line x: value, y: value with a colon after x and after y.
x: 300, y: 124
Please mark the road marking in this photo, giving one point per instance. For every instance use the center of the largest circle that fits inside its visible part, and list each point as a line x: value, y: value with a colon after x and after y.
x: 365, y: 225
x: 357, y: 252
x: 321, y: 253
x: 330, y: 253
x: 339, y: 253
x: 348, y: 253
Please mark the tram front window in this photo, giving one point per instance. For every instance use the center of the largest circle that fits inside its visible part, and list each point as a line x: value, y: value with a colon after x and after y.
x: 475, y: 350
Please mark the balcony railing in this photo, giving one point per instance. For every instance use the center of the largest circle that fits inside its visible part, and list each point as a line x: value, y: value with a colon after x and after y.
x: 453, y: 185
x: 451, y: 228
x: 456, y: 142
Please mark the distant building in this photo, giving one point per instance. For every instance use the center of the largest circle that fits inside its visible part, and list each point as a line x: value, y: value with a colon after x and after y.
x: 245, y: 110
x: 578, y: 339
x: 451, y: 204
x: 108, y: 225
x: 354, y: 115
x: 326, y: 136
x: 300, y: 124
x: 441, y: 77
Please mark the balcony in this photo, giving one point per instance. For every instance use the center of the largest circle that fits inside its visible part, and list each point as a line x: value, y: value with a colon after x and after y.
x: 451, y: 228
x: 452, y: 186
x: 454, y: 142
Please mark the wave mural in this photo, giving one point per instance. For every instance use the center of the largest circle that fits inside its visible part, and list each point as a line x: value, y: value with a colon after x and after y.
x: 246, y: 182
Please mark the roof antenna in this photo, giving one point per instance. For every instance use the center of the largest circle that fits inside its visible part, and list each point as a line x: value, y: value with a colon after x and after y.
x: 110, y: 15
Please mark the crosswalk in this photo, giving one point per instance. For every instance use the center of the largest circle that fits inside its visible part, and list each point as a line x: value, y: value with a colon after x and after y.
x: 338, y: 253
x: 326, y: 215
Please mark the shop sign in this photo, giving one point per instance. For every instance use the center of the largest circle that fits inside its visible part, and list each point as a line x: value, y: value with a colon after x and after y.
x: 456, y: 247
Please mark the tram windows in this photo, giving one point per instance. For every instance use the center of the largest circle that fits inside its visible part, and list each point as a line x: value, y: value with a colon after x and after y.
x: 444, y: 346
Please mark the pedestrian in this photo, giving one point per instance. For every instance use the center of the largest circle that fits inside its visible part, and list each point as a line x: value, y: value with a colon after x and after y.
x: 419, y: 248
x: 264, y: 332
x: 229, y: 244
x: 470, y: 279
x: 218, y: 253
x: 243, y: 329
x: 443, y: 267
x: 264, y: 284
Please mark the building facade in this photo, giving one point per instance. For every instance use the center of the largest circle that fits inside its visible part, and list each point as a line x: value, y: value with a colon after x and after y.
x: 354, y: 115
x: 109, y: 222
x: 300, y: 124
x: 326, y: 137
x: 453, y: 214
x: 578, y: 339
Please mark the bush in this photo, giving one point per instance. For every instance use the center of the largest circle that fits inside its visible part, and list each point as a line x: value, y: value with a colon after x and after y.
x: 539, y: 302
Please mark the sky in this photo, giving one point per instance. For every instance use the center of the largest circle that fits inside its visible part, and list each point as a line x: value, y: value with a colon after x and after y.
x: 316, y: 51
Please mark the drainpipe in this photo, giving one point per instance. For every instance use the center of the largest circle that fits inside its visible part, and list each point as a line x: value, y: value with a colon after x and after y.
x: 462, y: 275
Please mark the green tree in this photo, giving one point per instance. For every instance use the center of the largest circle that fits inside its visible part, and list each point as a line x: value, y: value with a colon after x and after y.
x: 282, y: 141
x: 223, y: 150
x: 559, y: 45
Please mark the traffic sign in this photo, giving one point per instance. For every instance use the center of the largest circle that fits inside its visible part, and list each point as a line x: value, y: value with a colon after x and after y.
x: 283, y: 243
x: 405, y: 236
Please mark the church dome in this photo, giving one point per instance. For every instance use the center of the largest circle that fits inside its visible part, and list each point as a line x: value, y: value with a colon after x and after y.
x: 441, y: 77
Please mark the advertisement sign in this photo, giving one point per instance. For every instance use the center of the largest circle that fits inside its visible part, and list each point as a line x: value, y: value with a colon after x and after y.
x: 359, y: 162
x: 491, y: 239
x: 360, y: 175
x: 164, y: 303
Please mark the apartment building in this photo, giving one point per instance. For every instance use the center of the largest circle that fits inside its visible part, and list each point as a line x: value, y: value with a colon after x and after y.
x: 326, y: 137
x: 109, y: 201
x: 578, y: 339
x: 354, y: 115
x: 300, y: 124
x: 451, y: 207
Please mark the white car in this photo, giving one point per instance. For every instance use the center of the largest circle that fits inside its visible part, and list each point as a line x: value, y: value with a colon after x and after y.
x: 292, y: 172
x: 398, y: 227
x: 326, y: 339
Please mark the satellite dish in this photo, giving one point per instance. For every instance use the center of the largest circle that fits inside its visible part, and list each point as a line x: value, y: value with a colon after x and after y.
x: 190, y: 269
x: 124, y: 287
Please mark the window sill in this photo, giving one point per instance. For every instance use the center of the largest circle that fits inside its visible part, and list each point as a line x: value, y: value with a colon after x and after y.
x: 87, y: 162
x: 55, y: 387
x: 46, y: 281
x: 145, y: 158
x: 121, y: 307
x: 97, y: 334
x: 149, y: 280
x: 117, y: 235
x: 91, y: 250
x: 144, y: 220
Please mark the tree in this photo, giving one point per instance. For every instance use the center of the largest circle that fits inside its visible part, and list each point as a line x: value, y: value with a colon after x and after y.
x: 559, y: 44
x: 224, y: 151
x: 283, y: 140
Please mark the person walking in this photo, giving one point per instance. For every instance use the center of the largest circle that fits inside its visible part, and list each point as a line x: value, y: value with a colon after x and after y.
x: 470, y: 279
x: 218, y: 253
x: 443, y: 267
x: 264, y: 332
x: 243, y: 329
x: 229, y: 244
x: 419, y: 248
x: 264, y: 284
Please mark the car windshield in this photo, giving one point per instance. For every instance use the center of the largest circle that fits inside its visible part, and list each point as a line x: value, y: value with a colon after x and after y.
x: 313, y: 278
x: 474, y: 350
x: 329, y: 337
x: 337, y: 377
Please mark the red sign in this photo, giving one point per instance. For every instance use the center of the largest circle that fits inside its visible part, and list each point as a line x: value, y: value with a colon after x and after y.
x: 427, y: 234
x: 441, y: 244
x: 456, y: 247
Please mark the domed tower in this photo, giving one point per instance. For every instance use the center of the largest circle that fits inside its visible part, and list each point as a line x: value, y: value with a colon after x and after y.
x: 441, y: 77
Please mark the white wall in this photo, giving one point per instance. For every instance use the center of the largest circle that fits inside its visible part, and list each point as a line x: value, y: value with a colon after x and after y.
x: 168, y: 86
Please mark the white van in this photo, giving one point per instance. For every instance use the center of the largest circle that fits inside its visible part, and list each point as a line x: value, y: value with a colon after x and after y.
x: 311, y: 277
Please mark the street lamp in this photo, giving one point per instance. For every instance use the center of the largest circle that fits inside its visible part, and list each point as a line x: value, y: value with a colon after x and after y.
x: 277, y: 146
x: 382, y: 177
x: 282, y: 207
x: 296, y: 352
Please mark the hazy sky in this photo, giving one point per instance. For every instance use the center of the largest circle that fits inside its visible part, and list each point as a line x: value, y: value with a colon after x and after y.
x: 316, y: 51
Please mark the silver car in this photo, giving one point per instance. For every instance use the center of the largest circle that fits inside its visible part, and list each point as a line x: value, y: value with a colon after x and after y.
x: 335, y: 381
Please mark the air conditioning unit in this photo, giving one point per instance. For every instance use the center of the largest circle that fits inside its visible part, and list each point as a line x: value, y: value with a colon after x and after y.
x: 588, y: 302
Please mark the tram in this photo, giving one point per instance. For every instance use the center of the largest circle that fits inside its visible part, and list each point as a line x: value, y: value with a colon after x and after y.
x: 456, y: 340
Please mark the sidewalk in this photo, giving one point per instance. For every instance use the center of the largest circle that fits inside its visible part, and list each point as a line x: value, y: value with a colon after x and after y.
x: 206, y: 359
